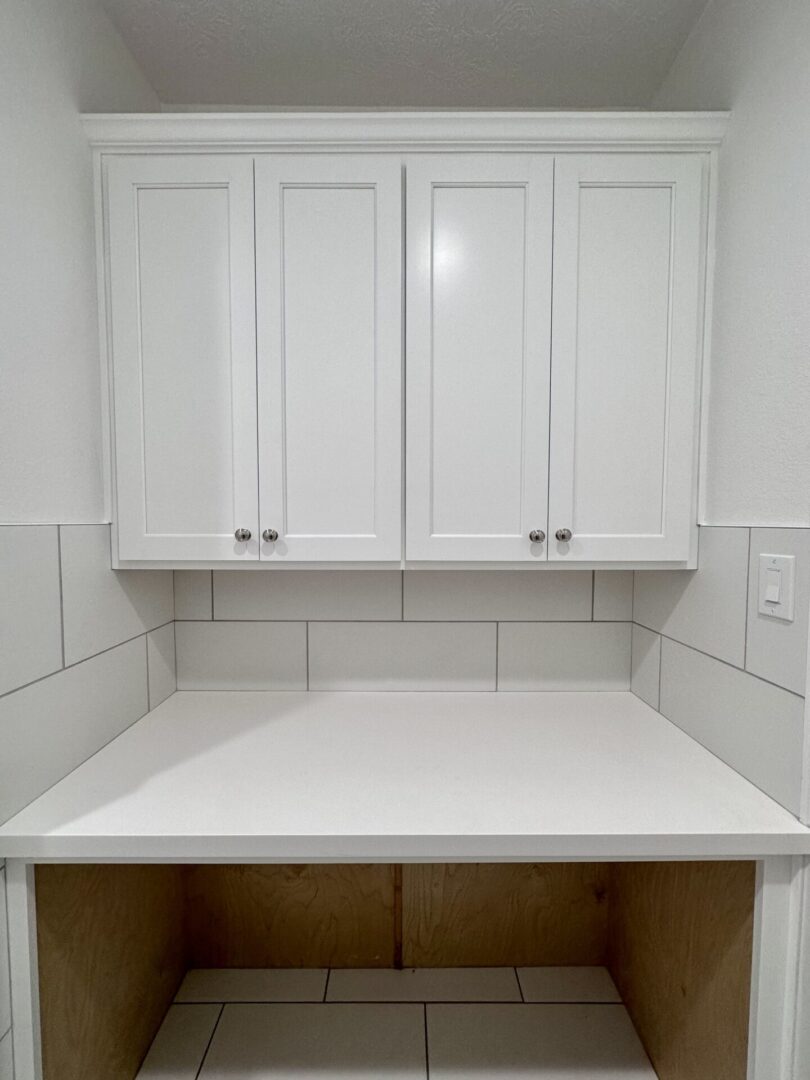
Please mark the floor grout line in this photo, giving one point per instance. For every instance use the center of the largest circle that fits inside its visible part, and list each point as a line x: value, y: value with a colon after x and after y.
x: 210, y: 1041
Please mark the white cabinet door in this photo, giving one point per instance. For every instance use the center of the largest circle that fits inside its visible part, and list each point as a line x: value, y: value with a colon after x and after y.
x: 628, y: 258
x: 478, y: 324
x: 182, y: 318
x: 329, y: 295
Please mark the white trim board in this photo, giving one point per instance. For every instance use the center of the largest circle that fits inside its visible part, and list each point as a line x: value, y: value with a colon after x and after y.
x: 412, y: 131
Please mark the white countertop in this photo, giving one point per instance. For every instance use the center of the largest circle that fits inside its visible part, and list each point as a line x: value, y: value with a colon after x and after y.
x: 401, y: 777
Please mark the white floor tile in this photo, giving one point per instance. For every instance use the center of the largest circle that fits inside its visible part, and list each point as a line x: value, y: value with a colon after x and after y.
x: 253, y: 984
x: 315, y: 1042
x: 546, y: 1042
x: 567, y: 984
x: 423, y: 984
x: 180, y: 1045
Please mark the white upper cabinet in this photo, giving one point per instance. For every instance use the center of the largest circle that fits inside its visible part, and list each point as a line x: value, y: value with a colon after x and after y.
x: 329, y: 303
x: 182, y: 336
x: 479, y: 231
x: 550, y: 272
x: 628, y: 283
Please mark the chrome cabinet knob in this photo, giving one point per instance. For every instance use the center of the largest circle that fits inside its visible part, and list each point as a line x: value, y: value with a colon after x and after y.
x: 270, y: 536
x: 243, y: 535
x: 537, y: 536
x: 563, y: 535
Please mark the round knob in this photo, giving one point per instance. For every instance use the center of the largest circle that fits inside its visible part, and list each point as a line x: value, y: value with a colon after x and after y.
x: 537, y: 536
x: 563, y: 534
x: 243, y: 535
x: 270, y: 536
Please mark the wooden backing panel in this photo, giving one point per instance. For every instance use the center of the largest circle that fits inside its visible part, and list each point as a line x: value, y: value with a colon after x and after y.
x: 497, y: 913
x: 291, y: 916
x: 111, y: 956
x: 680, y: 949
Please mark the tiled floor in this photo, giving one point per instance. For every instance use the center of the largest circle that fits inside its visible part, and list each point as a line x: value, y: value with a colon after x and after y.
x: 445, y: 1024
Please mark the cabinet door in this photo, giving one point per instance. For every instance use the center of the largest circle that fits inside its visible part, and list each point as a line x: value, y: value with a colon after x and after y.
x: 628, y: 256
x: 329, y: 295
x: 479, y: 305
x: 182, y: 317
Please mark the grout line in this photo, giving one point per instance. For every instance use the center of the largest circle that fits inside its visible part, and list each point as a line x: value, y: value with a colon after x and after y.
x: 148, y: 688
x: 593, y: 595
x: 747, y: 598
x: 720, y: 660
x: 520, y: 985
x: 210, y: 1041
x: 326, y: 983
x: 427, y: 1045
x: 85, y: 660
x: 61, y: 591
x: 660, y: 669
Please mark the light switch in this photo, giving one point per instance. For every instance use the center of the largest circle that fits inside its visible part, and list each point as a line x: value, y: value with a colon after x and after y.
x: 773, y: 586
x: 776, y: 578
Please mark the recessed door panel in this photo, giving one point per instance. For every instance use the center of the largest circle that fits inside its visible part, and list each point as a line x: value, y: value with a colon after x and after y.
x: 479, y: 261
x: 329, y: 320
x: 183, y: 346
x: 627, y: 283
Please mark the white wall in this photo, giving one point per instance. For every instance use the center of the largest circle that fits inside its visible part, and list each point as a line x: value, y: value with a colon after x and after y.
x: 57, y: 58
x: 753, y: 56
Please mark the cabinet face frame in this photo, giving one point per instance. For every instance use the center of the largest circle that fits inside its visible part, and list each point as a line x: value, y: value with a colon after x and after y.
x: 373, y: 182
x: 681, y: 181
x: 125, y: 179
x: 526, y: 180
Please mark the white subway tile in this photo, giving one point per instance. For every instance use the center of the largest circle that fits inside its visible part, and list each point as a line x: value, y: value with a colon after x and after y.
x: 777, y: 650
x: 192, y: 594
x: 503, y: 595
x: 564, y: 656
x: 646, y: 667
x: 6, y: 1058
x: 613, y: 595
x: 30, y: 620
x: 5, y: 986
x: 424, y: 984
x: 544, y: 1042
x: 402, y: 656
x: 162, y: 664
x: 567, y: 984
x: 318, y: 1042
x: 704, y: 608
x: 103, y: 607
x: 253, y: 984
x: 755, y: 727
x: 308, y: 594
x: 180, y: 1044
x: 50, y: 727
x: 238, y: 656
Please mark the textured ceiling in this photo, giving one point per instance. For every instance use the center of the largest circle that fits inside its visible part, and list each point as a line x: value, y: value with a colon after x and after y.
x: 405, y: 53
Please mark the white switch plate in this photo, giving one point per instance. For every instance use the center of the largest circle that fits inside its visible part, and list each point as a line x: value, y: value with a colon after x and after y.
x: 777, y: 572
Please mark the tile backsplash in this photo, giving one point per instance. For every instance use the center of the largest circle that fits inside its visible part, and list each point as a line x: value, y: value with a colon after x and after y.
x: 417, y: 630
x: 731, y: 678
x: 85, y: 651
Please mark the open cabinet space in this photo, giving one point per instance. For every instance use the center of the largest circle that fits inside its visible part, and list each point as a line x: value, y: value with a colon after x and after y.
x: 116, y: 942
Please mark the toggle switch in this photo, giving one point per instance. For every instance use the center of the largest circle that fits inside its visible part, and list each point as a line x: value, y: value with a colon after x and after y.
x: 773, y: 586
x: 776, y: 578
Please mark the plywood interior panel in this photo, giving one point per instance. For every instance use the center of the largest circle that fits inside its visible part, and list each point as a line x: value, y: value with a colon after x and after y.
x: 111, y: 956
x: 494, y: 913
x: 291, y: 916
x: 680, y: 948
